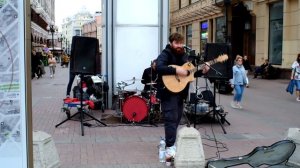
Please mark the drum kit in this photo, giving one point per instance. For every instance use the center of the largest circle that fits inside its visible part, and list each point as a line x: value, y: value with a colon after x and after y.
x: 134, y: 106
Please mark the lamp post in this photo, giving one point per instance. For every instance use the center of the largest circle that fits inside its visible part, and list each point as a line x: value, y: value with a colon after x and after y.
x: 67, y: 48
x: 61, y: 39
x: 52, y: 29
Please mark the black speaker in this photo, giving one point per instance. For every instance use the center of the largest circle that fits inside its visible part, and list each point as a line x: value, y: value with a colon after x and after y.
x: 212, y: 51
x: 85, y: 58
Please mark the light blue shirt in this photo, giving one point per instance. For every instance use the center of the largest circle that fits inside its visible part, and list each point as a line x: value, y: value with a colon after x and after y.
x: 239, y: 75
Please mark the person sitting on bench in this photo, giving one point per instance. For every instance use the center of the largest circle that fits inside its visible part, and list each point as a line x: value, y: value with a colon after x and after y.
x: 260, y: 70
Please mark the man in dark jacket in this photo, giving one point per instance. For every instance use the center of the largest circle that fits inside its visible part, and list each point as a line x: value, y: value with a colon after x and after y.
x: 260, y: 70
x: 149, y: 79
x: 172, y: 103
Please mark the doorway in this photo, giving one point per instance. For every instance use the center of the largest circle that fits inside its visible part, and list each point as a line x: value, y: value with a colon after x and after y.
x: 243, y: 32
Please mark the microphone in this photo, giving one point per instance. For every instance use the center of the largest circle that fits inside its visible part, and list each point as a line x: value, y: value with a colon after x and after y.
x: 186, y: 47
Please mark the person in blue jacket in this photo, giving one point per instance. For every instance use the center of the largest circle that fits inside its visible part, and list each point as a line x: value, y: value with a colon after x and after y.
x: 238, y: 82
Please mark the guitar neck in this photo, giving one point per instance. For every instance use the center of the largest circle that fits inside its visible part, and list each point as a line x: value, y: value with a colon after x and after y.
x: 201, y: 66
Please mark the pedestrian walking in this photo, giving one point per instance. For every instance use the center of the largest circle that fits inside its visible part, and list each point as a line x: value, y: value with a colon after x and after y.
x: 247, y: 66
x: 52, y: 65
x: 238, y: 82
x: 296, y: 76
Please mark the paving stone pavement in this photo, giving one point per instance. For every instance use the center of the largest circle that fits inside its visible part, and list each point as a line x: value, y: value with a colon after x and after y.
x: 267, y: 114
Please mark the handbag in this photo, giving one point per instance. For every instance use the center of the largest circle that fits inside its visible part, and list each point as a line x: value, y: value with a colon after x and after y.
x: 290, y: 87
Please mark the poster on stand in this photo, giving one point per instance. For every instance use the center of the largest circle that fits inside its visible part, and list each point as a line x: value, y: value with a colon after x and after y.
x: 13, y: 140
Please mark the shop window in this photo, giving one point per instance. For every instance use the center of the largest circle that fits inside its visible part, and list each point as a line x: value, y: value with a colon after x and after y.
x: 220, y: 23
x: 189, y: 35
x: 203, y: 35
x: 178, y: 30
x: 275, y: 33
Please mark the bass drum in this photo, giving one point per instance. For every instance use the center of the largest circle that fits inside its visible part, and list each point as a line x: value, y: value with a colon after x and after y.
x: 135, y: 108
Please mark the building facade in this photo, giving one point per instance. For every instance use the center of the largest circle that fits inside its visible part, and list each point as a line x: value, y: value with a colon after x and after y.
x: 259, y: 29
x: 42, y: 15
x: 94, y: 28
x: 72, y: 26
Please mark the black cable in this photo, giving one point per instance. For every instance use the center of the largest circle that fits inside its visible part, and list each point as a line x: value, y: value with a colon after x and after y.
x: 220, y: 146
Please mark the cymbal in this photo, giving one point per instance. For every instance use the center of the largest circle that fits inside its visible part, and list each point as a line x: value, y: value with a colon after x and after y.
x: 150, y: 83
x: 133, y: 79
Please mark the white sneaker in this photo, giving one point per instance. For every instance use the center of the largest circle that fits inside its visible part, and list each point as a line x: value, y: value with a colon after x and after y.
x: 234, y: 105
x: 170, y: 152
x: 298, y: 99
x: 51, y: 76
x: 170, y: 155
x: 239, y: 105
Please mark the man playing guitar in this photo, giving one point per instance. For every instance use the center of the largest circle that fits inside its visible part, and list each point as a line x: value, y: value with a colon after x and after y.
x: 172, y: 102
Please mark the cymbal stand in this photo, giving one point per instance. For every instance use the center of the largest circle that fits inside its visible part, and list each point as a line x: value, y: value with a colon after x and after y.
x: 151, y: 107
x: 151, y: 92
x: 121, y: 89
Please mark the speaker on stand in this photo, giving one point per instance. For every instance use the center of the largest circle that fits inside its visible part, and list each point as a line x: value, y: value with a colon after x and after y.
x: 85, y: 55
x: 219, y: 73
x: 85, y: 60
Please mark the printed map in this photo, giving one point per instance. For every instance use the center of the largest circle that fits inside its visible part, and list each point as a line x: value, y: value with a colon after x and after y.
x: 10, y: 117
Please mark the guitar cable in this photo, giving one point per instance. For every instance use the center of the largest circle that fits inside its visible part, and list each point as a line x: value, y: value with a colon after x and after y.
x: 220, y: 146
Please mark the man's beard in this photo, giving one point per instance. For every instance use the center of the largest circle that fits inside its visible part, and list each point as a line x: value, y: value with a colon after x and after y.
x: 178, y: 50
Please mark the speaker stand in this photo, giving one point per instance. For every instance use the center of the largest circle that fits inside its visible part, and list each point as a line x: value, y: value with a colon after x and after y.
x: 81, y: 111
x: 220, y: 118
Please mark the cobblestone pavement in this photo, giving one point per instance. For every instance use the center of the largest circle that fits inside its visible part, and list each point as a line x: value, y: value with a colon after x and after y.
x: 267, y: 114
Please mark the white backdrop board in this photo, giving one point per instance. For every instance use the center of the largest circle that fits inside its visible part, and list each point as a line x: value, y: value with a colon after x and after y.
x: 13, y: 114
x: 135, y: 47
x: 134, y: 33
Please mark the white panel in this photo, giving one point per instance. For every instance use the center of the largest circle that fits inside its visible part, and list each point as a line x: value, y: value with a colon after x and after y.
x: 137, y: 12
x: 135, y: 47
x: 13, y: 114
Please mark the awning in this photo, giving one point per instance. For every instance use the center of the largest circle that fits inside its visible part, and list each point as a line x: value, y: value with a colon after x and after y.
x: 197, y: 11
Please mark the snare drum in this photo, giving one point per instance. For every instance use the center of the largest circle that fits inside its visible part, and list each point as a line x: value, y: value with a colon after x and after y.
x: 153, y: 98
x: 135, y: 108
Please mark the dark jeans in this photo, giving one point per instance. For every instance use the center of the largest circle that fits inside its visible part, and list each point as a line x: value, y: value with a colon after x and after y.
x: 71, y: 79
x: 172, y: 108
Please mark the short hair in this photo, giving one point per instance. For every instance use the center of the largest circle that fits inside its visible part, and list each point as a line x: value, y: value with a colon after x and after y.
x: 153, y: 61
x: 175, y: 37
x: 238, y: 57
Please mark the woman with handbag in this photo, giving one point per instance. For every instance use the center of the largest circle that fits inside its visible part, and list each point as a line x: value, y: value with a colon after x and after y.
x: 296, y: 76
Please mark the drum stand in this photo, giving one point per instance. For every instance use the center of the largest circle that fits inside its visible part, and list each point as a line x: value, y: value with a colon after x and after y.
x: 151, y: 109
x: 81, y: 111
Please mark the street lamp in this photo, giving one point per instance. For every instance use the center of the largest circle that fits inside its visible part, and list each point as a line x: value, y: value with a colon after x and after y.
x: 52, y: 29
x: 61, y: 39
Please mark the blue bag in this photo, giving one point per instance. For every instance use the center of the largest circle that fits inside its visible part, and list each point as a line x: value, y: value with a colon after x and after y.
x: 290, y: 87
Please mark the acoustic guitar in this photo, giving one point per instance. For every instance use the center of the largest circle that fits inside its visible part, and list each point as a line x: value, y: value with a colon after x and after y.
x: 176, y: 83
